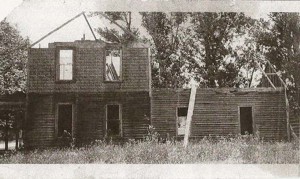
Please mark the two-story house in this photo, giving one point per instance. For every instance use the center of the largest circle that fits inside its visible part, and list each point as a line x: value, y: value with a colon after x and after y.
x: 90, y: 89
x: 94, y: 90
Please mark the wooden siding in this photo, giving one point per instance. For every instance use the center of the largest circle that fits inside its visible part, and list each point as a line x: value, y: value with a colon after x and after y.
x: 88, y: 70
x: 40, y: 124
x: 13, y: 101
x: 216, y: 112
x: 135, y: 110
x: 89, y: 116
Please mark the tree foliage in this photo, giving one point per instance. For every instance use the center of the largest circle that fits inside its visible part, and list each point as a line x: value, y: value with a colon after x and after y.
x: 280, y: 43
x: 166, y: 32
x: 13, y: 58
x: 113, y: 34
x: 199, y: 46
x: 214, y: 37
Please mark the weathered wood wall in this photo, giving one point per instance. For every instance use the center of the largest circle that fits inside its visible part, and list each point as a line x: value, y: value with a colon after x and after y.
x: 135, y: 112
x: 216, y: 111
x: 89, y: 116
x: 89, y: 69
x: 14, y: 101
x: 88, y: 92
x: 40, y: 123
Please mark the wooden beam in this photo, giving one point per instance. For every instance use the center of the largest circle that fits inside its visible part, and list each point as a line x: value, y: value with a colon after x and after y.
x: 189, y: 115
x: 265, y: 75
x: 288, y: 125
x: 287, y: 114
x: 293, y: 133
x: 56, y: 29
x: 89, y: 25
x: 281, y: 80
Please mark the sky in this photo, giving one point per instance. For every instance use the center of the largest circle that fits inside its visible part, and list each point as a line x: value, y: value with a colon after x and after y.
x: 36, y: 18
x: 7, y: 6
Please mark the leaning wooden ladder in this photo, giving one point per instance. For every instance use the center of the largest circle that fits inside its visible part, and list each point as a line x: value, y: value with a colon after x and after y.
x: 290, y: 130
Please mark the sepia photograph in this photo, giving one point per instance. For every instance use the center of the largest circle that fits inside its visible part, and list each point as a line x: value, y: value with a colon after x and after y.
x: 149, y: 89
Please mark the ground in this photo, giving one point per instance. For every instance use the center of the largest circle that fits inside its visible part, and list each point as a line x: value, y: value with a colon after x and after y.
x: 239, y: 150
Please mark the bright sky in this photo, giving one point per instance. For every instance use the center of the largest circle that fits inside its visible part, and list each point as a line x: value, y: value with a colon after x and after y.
x: 36, y: 18
x: 6, y: 6
x: 39, y: 18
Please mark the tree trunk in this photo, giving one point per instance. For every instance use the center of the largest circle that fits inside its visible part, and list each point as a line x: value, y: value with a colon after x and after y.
x: 6, y: 135
x: 17, y: 139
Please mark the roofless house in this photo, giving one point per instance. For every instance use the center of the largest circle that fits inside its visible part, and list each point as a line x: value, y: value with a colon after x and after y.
x: 94, y: 89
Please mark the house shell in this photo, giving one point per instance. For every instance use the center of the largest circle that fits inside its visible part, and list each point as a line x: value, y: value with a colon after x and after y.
x: 99, y: 98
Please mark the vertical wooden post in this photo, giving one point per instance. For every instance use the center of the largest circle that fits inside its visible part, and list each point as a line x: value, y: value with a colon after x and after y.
x: 287, y: 114
x: 6, y: 133
x: 189, y: 115
x: 17, y: 139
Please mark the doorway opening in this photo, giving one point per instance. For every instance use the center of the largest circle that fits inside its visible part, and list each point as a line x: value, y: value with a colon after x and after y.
x: 246, y: 120
x: 113, y: 120
x: 65, y: 117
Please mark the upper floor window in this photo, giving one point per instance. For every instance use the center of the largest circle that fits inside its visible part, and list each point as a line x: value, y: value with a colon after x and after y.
x: 113, y: 65
x: 65, y: 64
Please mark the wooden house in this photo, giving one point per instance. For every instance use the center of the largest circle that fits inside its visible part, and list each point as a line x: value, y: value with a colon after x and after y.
x: 95, y: 90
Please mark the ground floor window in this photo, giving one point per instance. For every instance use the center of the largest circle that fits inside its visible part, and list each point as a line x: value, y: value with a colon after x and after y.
x: 65, y: 117
x: 181, y: 120
x: 113, y: 120
x: 246, y: 120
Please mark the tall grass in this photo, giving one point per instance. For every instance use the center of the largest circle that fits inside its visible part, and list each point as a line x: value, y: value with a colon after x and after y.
x: 224, y: 150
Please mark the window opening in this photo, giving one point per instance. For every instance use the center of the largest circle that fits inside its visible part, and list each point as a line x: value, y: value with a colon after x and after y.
x: 181, y: 120
x: 113, y: 65
x: 65, y: 64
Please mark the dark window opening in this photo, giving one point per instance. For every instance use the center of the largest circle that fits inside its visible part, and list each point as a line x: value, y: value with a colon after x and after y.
x: 246, y: 120
x: 64, y: 119
x: 113, y: 120
x: 181, y: 120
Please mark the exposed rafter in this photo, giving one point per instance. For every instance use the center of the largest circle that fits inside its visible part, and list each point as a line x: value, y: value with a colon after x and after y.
x: 89, y: 25
x: 290, y: 130
x: 56, y: 29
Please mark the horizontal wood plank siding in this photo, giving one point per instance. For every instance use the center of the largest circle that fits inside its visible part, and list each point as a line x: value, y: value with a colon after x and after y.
x: 89, y: 66
x: 40, y: 124
x: 216, y: 112
x: 89, y: 118
x: 92, y: 115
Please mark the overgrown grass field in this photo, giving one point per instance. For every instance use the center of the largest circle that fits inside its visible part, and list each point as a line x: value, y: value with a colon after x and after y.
x: 224, y: 150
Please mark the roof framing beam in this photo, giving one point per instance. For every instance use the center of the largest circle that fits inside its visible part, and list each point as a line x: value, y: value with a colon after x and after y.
x: 61, y: 26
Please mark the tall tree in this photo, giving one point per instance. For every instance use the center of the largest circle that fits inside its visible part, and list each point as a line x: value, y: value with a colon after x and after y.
x: 166, y: 32
x: 13, y: 58
x: 213, y: 35
x: 280, y: 43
